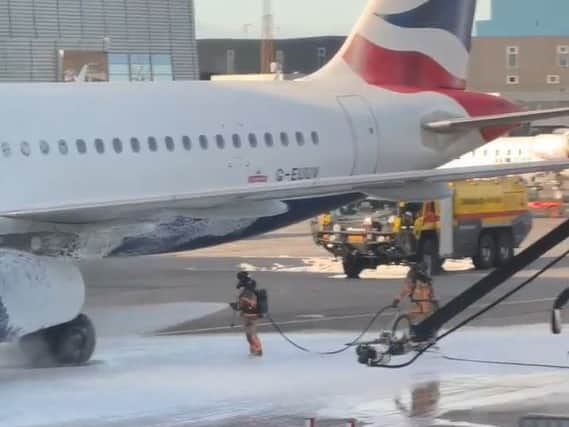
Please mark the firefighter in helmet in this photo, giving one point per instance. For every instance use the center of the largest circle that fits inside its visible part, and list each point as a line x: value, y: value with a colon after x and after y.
x: 418, y: 288
x: 248, y: 305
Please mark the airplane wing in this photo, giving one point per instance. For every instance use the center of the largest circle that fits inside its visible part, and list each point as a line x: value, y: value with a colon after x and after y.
x: 465, y: 124
x: 266, y: 199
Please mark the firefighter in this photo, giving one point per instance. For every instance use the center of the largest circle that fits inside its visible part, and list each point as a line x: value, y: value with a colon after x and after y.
x: 418, y: 287
x: 559, y: 304
x: 247, y: 305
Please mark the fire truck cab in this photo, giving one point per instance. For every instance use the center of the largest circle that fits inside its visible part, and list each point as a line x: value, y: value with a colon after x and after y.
x: 484, y: 220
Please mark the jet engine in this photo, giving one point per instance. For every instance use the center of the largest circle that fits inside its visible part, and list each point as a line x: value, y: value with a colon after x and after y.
x: 40, y: 303
x: 551, y: 146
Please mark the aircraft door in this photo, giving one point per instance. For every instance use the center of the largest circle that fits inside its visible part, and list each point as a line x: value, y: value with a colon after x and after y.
x: 365, y: 136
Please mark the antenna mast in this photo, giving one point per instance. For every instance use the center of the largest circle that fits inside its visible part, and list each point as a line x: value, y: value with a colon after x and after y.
x: 267, y: 37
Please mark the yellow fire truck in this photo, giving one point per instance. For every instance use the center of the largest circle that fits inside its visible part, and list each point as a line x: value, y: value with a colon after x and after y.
x: 484, y: 219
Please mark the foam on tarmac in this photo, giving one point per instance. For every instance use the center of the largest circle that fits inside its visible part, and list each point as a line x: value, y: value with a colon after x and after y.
x: 206, y: 381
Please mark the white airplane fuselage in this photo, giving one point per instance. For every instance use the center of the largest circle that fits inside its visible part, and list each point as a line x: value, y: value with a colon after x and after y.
x: 351, y: 129
x: 99, y: 170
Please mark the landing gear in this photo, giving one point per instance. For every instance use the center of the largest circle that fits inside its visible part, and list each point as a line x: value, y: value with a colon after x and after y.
x: 68, y: 344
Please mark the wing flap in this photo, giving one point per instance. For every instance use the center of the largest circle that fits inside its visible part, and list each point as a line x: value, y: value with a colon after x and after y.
x: 208, y: 202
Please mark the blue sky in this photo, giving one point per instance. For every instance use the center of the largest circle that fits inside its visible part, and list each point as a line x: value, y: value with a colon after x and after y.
x: 293, y: 18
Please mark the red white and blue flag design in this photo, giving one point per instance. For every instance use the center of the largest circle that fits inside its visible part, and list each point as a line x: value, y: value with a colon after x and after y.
x: 413, y: 43
x: 411, y: 46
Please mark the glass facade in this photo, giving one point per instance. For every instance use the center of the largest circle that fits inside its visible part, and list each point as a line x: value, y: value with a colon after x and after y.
x: 71, y: 40
x: 119, y: 67
x: 521, y: 18
x: 140, y: 67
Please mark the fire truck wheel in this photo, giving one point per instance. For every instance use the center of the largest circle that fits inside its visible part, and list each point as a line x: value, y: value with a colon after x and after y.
x: 486, y: 255
x: 430, y: 256
x: 504, y: 248
x: 353, y: 266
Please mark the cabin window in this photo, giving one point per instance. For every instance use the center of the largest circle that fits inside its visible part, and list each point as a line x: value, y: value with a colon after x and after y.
x: 236, y: 141
x: 203, y: 142
x: 187, y: 143
x: 315, y: 137
x: 99, y: 146
x: 269, y: 141
x: 44, y: 147
x: 284, y: 139
x: 117, y: 145
x: 220, y: 141
x: 253, y: 140
x: 299, y: 138
x: 81, y: 146
x: 135, y: 145
x: 6, y: 150
x: 170, y: 146
x: 152, y: 144
x: 25, y: 148
x: 63, y: 148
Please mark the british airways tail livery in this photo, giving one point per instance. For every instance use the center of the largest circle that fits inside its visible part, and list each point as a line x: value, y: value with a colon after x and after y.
x: 412, y: 44
x: 163, y: 167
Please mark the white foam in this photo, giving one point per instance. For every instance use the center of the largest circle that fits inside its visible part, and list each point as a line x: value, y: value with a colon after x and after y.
x: 177, y: 380
x: 320, y: 265
x: 140, y: 319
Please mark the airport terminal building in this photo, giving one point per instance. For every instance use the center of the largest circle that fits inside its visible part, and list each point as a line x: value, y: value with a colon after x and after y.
x: 136, y: 40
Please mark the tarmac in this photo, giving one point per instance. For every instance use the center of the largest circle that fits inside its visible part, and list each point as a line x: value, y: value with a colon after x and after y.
x: 165, y: 332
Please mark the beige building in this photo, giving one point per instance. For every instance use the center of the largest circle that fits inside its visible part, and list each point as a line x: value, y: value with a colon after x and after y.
x: 533, y: 70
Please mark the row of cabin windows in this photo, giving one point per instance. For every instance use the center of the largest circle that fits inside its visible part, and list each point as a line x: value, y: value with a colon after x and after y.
x: 153, y: 145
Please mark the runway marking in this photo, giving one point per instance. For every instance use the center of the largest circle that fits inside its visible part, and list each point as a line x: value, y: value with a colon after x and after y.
x: 285, y: 322
x: 323, y: 319
x: 310, y: 316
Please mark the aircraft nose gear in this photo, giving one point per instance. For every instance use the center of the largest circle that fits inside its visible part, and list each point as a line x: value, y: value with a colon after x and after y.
x: 68, y: 344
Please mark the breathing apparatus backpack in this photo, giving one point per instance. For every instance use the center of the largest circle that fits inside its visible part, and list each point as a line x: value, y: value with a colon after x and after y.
x: 247, y: 305
x: 262, y: 302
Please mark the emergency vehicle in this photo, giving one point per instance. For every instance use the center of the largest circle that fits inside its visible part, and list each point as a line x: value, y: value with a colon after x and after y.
x: 484, y: 220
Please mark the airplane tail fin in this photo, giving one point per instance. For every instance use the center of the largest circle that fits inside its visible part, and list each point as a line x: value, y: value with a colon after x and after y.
x: 423, y: 44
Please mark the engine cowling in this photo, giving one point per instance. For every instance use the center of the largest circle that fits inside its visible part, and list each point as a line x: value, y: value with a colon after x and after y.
x: 551, y: 146
x: 37, y: 293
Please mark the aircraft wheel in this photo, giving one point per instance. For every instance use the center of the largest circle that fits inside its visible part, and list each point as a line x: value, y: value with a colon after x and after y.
x: 68, y: 344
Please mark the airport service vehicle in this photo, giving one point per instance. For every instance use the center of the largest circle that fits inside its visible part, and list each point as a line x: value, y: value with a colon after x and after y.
x: 484, y: 220
x: 375, y: 213
x: 162, y: 167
